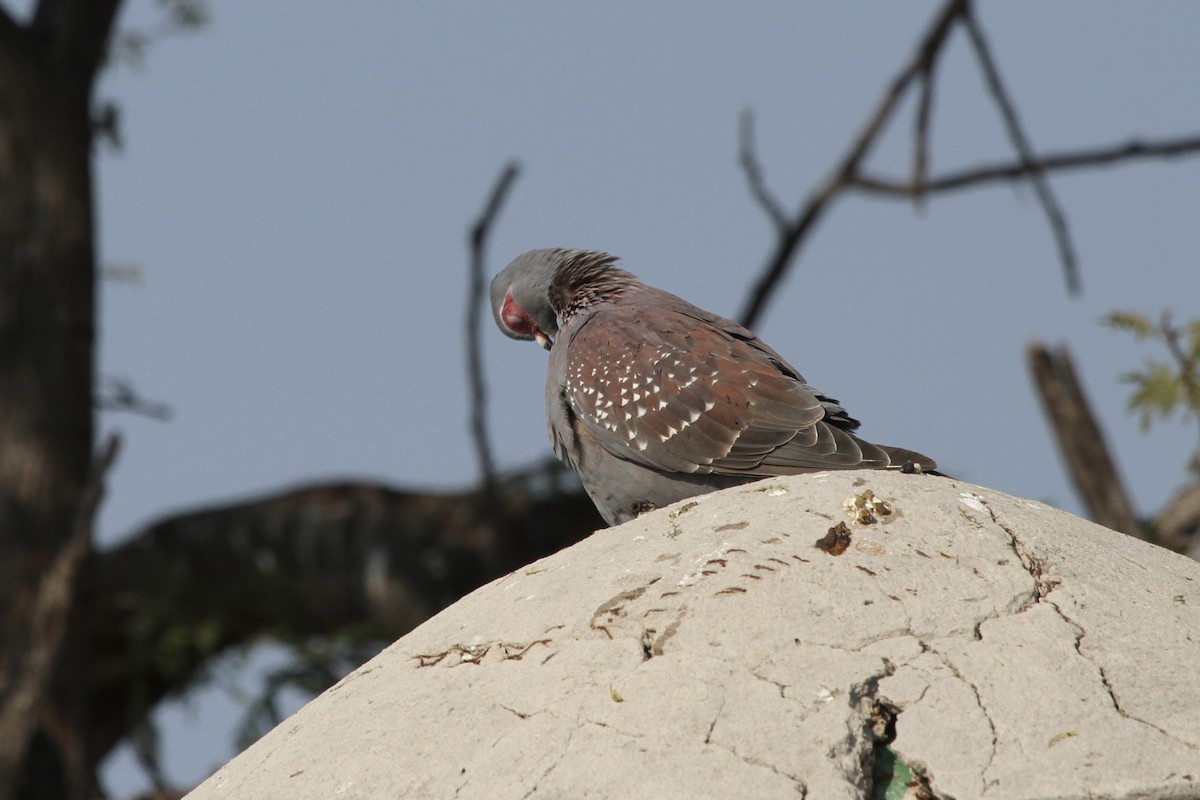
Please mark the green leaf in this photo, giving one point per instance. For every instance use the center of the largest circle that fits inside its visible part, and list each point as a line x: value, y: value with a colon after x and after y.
x: 1137, y: 324
x: 1157, y: 391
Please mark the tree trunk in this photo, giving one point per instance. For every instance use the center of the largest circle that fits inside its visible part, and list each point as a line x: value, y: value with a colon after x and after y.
x: 47, y: 320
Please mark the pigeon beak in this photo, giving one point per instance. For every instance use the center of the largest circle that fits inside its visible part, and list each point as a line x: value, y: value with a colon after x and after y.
x: 545, y: 341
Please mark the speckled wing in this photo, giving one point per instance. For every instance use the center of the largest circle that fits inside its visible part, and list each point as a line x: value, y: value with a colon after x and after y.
x: 680, y: 390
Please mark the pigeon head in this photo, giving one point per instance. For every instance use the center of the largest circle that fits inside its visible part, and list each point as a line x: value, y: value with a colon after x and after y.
x: 541, y: 289
x: 521, y: 297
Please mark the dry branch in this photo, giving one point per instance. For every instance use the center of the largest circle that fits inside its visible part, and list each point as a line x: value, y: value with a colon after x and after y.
x: 1080, y: 441
x: 1177, y: 527
x: 848, y: 175
x: 1010, y: 171
x: 752, y: 169
x: 1025, y: 154
x: 476, y: 292
x: 792, y: 235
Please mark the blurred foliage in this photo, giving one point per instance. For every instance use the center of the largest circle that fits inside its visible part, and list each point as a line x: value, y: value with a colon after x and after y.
x: 315, y: 665
x: 129, y: 48
x: 177, y: 16
x: 186, y: 13
x: 106, y: 125
x: 1165, y: 385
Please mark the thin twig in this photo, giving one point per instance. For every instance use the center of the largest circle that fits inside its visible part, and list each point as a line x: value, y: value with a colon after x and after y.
x: 748, y: 158
x: 1010, y: 171
x: 792, y: 237
x: 121, y: 396
x: 476, y: 291
x: 1021, y: 143
x: 921, y: 131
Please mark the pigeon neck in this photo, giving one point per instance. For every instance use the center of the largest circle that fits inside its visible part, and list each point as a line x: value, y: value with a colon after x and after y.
x: 584, y: 281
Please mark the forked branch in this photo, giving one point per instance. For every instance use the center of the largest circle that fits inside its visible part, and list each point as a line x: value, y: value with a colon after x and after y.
x: 849, y: 175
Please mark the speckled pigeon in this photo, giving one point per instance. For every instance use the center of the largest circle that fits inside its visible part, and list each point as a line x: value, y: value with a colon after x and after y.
x: 652, y: 400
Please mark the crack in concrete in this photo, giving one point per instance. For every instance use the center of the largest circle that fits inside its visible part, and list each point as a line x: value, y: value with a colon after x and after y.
x: 1117, y: 705
x: 518, y: 714
x: 982, y: 708
x: 546, y: 773
x: 1045, y: 586
x: 871, y: 721
x: 613, y: 728
x: 859, y: 645
x: 1079, y: 634
x: 798, y: 782
x: 884, y: 716
x: 1033, y: 565
x: 716, y: 716
x: 778, y: 685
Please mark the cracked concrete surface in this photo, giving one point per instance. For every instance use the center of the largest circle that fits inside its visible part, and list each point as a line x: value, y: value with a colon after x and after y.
x: 710, y: 650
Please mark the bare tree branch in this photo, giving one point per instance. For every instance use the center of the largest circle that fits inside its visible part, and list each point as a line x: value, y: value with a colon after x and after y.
x: 1080, y: 441
x: 1177, y: 527
x: 792, y: 236
x: 748, y: 158
x: 131, y: 45
x: 926, y: 75
x: 1008, y: 171
x: 848, y: 175
x: 920, y: 169
x: 1021, y: 143
x: 476, y: 291
x: 121, y: 396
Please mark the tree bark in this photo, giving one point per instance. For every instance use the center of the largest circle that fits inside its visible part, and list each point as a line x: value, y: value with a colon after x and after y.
x: 1177, y: 526
x: 47, y: 320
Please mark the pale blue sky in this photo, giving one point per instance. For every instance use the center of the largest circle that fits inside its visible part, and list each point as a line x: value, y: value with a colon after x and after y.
x: 297, y: 180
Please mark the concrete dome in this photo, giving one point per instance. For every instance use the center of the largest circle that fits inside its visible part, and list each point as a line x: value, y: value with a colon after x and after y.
x: 712, y: 650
